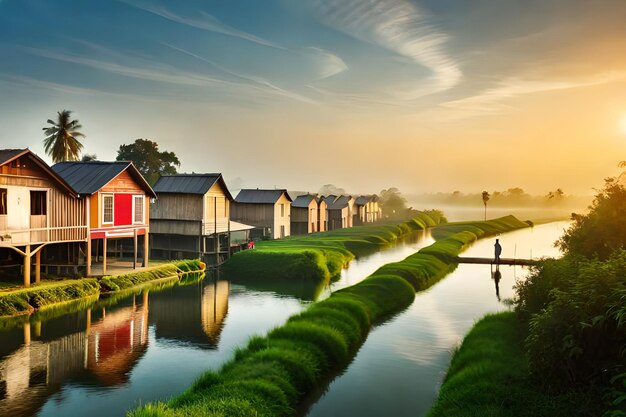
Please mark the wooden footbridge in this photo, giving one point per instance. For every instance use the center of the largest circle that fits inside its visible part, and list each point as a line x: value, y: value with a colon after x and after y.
x: 492, y: 261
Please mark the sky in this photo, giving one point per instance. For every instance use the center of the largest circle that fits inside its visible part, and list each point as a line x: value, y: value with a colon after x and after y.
x: 426, y: 96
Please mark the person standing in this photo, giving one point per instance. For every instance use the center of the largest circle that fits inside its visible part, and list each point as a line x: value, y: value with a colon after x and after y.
x: 497, y: 250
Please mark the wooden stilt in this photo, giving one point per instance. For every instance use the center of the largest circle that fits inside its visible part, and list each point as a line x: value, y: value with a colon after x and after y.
x: 135, y: 249
x: 88, y: 255
x: 145, y: 248
x: 27, y: 267
x: 38, y: 267
x: 104, y: 255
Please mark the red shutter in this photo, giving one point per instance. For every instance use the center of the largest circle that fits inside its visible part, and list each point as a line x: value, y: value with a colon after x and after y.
x: 123, y: 209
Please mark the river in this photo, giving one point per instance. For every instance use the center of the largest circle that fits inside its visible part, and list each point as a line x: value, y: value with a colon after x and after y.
x: 106, y: 359
x: 399, y: 369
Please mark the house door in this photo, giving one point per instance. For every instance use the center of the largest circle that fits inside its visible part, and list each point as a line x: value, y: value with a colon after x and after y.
x: 282, y: 232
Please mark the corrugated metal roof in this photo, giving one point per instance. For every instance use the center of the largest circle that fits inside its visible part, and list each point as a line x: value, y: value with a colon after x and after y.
x: 363, y: 200
x: 303, y: 201
x: 256, y: 196
x: 89, y: 177
x: 339, y: 203
x: 186, y: 183
x: 7, y: 155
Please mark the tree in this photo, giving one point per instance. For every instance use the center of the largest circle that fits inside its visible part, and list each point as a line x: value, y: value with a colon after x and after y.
x: 393, y: 203
x: 61, y: 141
x: 486, y: 197
x: 149, y: 161
x: 329, y: 189
x: 89, y: 157
x: 601, y: 231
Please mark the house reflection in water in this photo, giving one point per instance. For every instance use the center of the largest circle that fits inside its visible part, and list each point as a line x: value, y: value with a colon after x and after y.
x: 106, y: 348
x: 117, y: 341
x: 193, y: 314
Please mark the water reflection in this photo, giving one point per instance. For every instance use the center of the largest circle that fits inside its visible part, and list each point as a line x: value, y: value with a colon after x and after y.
x: 496, y: 276
x: 100, y: 346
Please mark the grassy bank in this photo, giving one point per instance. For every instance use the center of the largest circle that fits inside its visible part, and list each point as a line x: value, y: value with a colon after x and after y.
x: 27, y: 300
x: 489, y: 376
x: 316, y: 259
x: 271, y: 374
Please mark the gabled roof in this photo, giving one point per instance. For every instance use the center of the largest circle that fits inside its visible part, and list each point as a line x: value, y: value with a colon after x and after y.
x: 340, y: 202
x: 8, y: 155
x: 190, y: 184
x: 303, y: 201
x: 364, y: 199
x: 256, y: 196
x: 90, y: 177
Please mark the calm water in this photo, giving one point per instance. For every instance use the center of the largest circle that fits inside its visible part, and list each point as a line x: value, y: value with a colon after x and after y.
x: 400, y: 367
x: 106, y: 359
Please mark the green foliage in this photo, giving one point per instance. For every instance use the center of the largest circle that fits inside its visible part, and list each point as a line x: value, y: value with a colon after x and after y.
x: 393, y: 203
x: 601, y: 231
x: 61, y: 142
x: 26, y: 299
x: 124, y: 281
x: 147, y: 158
x: 576, y: 312
x: 489, y: 376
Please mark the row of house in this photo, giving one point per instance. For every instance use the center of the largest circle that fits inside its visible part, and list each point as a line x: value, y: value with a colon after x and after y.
x: 89, y: 214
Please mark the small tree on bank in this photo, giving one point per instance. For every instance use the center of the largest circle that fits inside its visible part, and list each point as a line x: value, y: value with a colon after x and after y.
x: 486, y: 198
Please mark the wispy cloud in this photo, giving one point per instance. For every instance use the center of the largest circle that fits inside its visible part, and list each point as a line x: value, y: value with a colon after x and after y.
x: 493, y: 100
x: 151, y: 71
x: 401, y: 27
x: 256, y: 82
x: 328, y: 64
x: 203, y: 21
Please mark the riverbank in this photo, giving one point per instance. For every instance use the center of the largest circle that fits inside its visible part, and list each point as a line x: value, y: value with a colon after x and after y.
x: 273, y: 373
x: 489, y: 376
x: 48, y: 294
x: 316, y: 259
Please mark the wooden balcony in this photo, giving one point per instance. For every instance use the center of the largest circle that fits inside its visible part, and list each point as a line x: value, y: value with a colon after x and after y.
x: 37, y: 235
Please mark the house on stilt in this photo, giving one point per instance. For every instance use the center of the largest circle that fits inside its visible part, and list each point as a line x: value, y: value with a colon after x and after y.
x: 191, y: 219
x: 118, y: 215
x: 42, y: 218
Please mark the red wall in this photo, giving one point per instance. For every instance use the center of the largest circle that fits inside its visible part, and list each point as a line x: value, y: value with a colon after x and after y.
x: 123, y: 209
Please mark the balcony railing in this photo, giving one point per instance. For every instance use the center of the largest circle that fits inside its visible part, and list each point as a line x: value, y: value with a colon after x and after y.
x: 15, y: 237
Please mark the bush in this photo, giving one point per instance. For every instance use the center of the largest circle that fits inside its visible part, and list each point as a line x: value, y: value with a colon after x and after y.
x: 577, y: 320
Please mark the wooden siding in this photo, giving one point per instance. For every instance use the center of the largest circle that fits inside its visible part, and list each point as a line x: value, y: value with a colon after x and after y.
x: 65, y: 218
x: 123, y: 183
x: 282, y: 217
x: 257, y: 215
x: 177, y: 207
x: 322, y: 216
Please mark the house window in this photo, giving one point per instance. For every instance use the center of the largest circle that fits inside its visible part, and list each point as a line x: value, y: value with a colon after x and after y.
x: 3, y: 201
x: 138, y: 209
x: 38, y: 200
x: 107, y: 208
x: 282, y: 210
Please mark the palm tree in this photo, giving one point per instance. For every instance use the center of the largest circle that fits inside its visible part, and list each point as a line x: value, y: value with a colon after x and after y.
x: 486, y: 197
x: 61, y: 141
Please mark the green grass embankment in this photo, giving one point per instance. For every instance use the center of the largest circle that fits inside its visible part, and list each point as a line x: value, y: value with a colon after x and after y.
x: 270, y: 376
x: 47, y: 294
x: 314, y: 260
x: 489, y: 376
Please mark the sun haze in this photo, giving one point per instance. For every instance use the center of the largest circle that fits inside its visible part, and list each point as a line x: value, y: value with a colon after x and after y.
x: 421, y: 95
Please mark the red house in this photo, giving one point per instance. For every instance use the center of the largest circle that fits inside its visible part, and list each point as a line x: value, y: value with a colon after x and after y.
x: 118, y: 198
